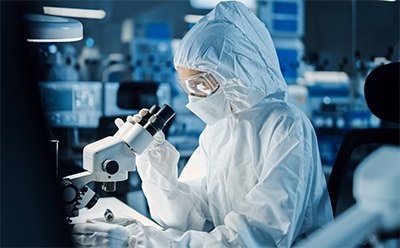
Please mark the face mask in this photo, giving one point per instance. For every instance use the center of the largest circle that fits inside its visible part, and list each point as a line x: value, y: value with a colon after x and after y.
x: 211, y: 108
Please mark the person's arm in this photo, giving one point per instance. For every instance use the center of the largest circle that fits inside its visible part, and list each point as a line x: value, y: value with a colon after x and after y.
x: 173, y: 204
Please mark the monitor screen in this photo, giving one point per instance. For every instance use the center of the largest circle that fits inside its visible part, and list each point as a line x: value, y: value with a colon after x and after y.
x: 137, y: 95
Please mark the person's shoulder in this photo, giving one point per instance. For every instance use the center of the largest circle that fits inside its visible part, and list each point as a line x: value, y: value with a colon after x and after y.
x: 278, y: 108
x: 281, y: 112
x: 288, y: 109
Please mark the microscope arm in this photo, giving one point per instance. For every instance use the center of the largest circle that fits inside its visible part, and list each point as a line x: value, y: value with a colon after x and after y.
x: 376, y: 189
x: 81, y: 179
x: 348, y: 230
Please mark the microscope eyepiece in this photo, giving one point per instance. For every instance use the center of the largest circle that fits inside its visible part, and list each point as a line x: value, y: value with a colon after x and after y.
x: 157, y: 121
x: 154, y: 109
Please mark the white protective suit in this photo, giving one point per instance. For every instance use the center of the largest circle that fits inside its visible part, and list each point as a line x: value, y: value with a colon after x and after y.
x: 258, y: 176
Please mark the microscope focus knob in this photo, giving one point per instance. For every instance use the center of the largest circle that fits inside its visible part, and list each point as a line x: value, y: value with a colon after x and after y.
x: 70, y: 192
x: 110, y: 166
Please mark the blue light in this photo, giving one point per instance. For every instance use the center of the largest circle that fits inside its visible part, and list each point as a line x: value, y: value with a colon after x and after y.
x: 285, y: 8
x: 52, y: 49
x: 157, y: 31
x: 89, y: 42
x: 285, y: 25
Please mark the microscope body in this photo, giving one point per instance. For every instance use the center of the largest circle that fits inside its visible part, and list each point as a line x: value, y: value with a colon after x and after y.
x: 109, y: 160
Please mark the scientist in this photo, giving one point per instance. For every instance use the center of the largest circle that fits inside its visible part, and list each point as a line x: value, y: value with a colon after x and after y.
x: 256, y: 178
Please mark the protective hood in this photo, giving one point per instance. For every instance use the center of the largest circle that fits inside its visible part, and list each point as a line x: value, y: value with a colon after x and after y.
x: 234, y: 45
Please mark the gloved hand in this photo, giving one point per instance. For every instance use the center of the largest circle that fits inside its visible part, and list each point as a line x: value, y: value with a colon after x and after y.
x: 132, y: 119
x: 158, y: 138
x: 147, y: 236
x: 137, y: 236
x: 100, y: 234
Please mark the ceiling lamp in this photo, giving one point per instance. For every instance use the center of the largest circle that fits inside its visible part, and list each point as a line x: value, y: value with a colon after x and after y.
x: 44, y: 28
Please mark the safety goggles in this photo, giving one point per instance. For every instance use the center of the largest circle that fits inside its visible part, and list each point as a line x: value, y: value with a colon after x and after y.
x: 201, y: 85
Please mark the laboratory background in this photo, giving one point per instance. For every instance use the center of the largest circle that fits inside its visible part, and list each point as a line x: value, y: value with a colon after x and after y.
x: 59, y: 96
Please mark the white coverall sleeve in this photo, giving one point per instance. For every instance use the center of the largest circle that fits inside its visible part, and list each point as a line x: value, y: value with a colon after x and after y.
x: 173, y: 204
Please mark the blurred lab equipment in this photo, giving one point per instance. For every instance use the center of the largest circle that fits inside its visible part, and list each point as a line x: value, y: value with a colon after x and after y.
x: 152, y: 60
x: 283, y: 18
x: 79, y: 111
x: 151, y: 52
x: 381, y: 91
x: 285, y: 22
x: 376, y: 188
x: 115, y: 68
x: 56, y: 58
x: 331, y: 110
x: 120, y: 98
x: 89, y: 61
x: 290, y: 52
x: 109, y: 160
x: 328, y: 101
x: 54, y: 154
x: 72, y: 103
x: 62, y: 63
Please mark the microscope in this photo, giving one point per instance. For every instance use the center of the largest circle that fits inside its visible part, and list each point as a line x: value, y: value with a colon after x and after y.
x: 109, y: 160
